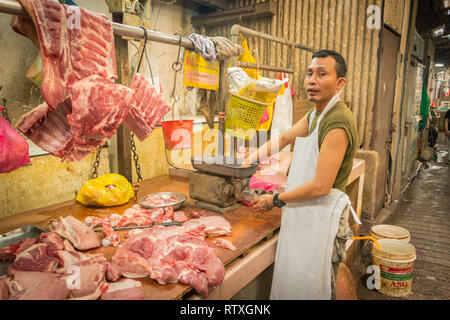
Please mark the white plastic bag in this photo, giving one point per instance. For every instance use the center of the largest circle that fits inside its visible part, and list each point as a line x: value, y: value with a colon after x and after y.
x: 238, y: 79
x: 268, y: 85
x: 282, y: 113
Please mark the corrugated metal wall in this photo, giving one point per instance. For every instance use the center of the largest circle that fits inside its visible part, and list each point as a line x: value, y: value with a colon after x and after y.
x: 393, y: 14
x: 333, y: 24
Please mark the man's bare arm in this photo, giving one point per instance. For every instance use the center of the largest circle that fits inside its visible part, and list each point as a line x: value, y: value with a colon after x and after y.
x: 330, y: 159
x: 300, y: 129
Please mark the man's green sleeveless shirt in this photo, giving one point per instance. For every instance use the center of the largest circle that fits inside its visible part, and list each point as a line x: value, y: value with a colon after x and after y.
x: 339, y: 116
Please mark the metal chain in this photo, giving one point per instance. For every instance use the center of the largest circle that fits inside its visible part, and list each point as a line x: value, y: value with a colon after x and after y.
x: 132, y: 144
x: 135, y: 157
x: 96, y: 163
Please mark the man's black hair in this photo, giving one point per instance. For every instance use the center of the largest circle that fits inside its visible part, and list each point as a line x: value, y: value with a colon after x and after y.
x: 341, y: 66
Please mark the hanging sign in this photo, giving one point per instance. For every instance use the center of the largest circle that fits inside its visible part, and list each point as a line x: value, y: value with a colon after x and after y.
x: 200, y: 73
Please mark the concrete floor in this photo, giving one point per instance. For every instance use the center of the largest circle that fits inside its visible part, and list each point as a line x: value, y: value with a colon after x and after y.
x: 425, y: 211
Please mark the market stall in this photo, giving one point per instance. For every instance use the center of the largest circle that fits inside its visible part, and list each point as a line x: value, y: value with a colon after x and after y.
x: 253, y: 234
x: 218, y: 188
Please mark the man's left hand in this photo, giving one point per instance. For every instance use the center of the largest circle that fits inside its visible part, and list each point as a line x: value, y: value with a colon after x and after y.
x: 263, y: 203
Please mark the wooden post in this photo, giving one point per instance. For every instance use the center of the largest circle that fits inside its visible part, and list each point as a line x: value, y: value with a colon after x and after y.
x: 124, y: 163
x: 222, y: 101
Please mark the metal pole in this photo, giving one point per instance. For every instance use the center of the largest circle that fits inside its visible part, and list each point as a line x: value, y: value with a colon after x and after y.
x: 236, y: 29
x: 13, y: 7
x: 137, y: 33
x: 263, y: 67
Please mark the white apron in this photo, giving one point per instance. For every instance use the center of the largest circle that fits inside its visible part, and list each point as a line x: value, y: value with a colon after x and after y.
x: 302, y: 268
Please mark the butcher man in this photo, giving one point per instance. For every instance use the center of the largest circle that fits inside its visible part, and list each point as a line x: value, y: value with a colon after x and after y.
x: 314, y: 225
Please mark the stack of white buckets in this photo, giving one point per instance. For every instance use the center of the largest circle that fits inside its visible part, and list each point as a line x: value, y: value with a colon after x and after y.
x: 395, y: 258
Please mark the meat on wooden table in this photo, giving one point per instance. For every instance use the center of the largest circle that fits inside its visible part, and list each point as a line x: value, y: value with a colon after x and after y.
x: 125, y: 289
x: 170, y: 254
x: 32, y: 285
x: 52, y: 269
x: 223, y: 243
x: 4, y: 290
x: 165, y: 254
x: 10, y: 252
x: 215, y: 225
x: 81, y: 236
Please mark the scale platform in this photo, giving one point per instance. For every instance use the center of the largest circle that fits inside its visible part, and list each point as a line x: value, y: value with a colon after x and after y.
x: 223, y: 166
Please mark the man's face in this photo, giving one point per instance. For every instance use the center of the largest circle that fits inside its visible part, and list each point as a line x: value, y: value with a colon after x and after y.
x: 321, y: 81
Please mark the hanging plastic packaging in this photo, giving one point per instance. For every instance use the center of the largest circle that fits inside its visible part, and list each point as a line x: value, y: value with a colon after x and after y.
x: 283, y: 112
x: 14, y: 151
x: 108, y: 190
x: 238, y: 79
x: 247, y: 57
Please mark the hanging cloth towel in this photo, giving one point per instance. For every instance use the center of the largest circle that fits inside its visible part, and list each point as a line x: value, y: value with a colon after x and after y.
x: 204, y: 46
x: 226, y: 49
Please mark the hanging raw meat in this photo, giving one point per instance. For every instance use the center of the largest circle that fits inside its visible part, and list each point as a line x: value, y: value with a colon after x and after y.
x: 82, y: 106
x: 99, y: 106
x: 148, y: 107
x: 80, y: 125
x: 74, y: 43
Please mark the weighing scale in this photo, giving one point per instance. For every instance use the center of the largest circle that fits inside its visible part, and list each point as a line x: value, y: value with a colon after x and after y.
x: 220, y: 182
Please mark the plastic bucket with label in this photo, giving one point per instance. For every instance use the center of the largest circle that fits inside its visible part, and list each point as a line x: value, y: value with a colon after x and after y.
x: 395, y: 258
x: 386, y: 231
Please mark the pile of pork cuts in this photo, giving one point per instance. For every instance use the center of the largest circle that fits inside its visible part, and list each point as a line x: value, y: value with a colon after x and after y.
x: 82, y: 107
x: 52, y: 266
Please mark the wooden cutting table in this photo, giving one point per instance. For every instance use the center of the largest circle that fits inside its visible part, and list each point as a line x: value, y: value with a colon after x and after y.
x: 248, y: 227
x: 253, y: 233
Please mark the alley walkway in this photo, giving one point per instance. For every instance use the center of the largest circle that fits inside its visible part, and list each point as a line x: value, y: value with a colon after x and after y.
x: 425, y: 211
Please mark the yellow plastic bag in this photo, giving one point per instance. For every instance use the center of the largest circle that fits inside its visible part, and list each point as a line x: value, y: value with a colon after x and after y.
x: 110, y: 189
x: 247, y: 57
